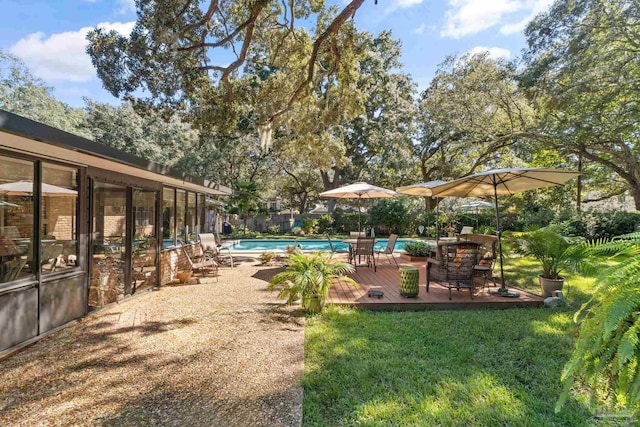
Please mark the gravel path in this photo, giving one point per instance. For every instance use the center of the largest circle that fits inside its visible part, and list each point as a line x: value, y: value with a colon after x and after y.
x: 224, y: 353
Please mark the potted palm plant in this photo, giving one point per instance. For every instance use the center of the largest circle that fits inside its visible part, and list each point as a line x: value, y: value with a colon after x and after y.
x: 310, y: 276
x: 555, y: 253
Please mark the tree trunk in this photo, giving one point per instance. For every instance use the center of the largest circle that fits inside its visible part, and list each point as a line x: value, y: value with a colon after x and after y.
x: 635, y: 192
x: 579, y: 189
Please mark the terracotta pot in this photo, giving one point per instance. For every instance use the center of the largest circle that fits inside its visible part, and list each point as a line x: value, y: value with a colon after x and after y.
x: 550, y: 286
x: 183, y: 276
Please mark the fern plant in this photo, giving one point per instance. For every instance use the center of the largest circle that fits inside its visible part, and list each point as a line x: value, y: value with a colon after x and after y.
x: 606, y: 355
x: 310, y: 276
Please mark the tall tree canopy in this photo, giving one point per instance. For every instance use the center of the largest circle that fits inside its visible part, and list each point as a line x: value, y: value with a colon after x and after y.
x: 191, y: 53
x: 583, y: 69
x: 22, y: 93
x: 472, y: 111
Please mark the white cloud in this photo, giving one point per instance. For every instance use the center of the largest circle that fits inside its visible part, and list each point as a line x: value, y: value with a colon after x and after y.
x: 494, y: 52
x: 401, y: 4
x: 465, y: 17
x: 420, y: 29
x: 126, y: 6
x: 62, y: 56
x: 535, y: 7
x: 407, y: 3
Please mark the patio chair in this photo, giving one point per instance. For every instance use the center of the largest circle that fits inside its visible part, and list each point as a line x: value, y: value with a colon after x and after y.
x: 201, y: 261
x: 210, y: 243
x: 388, y: 251
x: 487, y: 255
x: 356, y: 234
x: 454, y: 265
x: 332, y: 248
x: 364, y: 248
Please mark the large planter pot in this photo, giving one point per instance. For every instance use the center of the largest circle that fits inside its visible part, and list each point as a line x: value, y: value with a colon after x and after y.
x: 313, y: 303
x: 550, y: 286
x: 184, y: 276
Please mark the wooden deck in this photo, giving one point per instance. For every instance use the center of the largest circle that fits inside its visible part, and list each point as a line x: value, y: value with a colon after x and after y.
x: 386, y: 279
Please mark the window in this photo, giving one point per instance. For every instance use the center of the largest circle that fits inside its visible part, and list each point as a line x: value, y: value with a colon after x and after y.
x: 190, y: 230
x: 200, y: 228
x: 181, y: 205
x: 168, y: 217
x: 59, y: 219
x: 16, y: 219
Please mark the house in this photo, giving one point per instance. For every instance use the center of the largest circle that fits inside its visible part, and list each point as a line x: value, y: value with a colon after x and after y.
x: 83, y: 225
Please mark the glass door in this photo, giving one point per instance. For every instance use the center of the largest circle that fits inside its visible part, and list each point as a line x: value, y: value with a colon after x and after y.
x: 144, y: 248
x: 108, y: 236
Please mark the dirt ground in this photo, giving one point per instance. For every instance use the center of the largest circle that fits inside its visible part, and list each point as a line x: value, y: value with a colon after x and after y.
x: 224, y: 353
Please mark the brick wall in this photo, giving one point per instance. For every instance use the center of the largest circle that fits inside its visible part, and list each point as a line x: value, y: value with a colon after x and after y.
x: 174, y: 260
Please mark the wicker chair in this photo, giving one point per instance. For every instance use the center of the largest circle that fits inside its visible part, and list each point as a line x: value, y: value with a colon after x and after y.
x: 487, y: 256
x: 453, y: 265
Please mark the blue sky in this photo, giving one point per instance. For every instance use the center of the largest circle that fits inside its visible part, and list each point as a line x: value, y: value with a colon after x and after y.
x: 49, y: 35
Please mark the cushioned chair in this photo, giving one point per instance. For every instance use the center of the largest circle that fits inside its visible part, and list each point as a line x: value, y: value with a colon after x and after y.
x: 453, y: 266
x: 487, y: 256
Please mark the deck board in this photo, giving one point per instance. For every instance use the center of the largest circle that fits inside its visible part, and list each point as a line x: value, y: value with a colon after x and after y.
x: 386, y: 279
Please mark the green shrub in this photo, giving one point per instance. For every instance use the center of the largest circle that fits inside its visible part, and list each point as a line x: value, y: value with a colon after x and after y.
x: 392, y: 213
x: 325, y: 224
x: 309, y: 226
x: 297, y: 231
x: 267, y: 257
x: 601, y: 225
x: 418, y: 248
x: 274, y: 229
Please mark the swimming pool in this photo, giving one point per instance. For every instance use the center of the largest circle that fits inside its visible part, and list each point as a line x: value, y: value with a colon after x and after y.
x: 262, y: 245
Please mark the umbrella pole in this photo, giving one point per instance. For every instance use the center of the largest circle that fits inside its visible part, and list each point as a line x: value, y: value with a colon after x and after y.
x: 503, y: 291
x: 359, y: 217
x: 499, y: 232
x: 437, y: 220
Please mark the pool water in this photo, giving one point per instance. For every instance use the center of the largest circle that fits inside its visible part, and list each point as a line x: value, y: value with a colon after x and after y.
x: 258, y: 245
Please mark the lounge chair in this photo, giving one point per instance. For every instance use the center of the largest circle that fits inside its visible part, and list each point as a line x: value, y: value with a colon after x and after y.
x: 211, y: 244
x: 388, y: 251
x: 200, y: 260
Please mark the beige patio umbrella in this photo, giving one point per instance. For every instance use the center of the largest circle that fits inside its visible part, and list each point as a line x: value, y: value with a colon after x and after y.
x: 503, y: 181
x: 359, y: 190
x: 423, y: 190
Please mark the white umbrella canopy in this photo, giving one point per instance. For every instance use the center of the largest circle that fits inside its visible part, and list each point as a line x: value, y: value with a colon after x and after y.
x: 359, y: 190
x: 20, y: 188
x: 503, y: 181
x: 423, y: 189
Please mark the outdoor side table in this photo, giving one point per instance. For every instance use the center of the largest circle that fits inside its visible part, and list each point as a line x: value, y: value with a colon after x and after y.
x: 409, y: 281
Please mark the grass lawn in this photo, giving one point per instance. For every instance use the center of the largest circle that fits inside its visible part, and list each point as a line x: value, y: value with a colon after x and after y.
x: 449, y: 368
